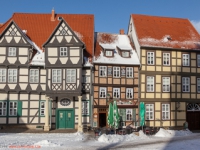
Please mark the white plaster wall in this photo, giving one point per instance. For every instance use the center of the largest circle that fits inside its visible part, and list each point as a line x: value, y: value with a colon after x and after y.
x: 23, y: 120
x: 2, y: 59
x: 74, y: 60
x: 34, y: 119
x: 34, y: 104
x: 23, y: 71
x: 2, y: 50
x: 24, y: 104
x: 23, y: 78
x: 23, y: 96
x: 12, y: 60
x: 23, y: 51
x: 34, y: 97
x: 12, y: 86
x: 34, y: 112
x: 12, y: 120
x: 3, y: 96
x: 13, y: 97
x: 74, y: 52
x: 23, y: 60
x: 43, y: 72
x: 23, y: 86
x: 52, y: 51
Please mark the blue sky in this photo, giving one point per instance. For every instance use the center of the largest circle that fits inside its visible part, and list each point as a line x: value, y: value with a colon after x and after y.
x: 110, y: 15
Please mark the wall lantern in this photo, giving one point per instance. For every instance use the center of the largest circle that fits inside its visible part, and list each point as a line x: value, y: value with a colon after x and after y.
x: 178, y: 105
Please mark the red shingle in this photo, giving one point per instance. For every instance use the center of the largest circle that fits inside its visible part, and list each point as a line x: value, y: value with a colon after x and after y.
x: 40, y: 27
x: 166, y: 32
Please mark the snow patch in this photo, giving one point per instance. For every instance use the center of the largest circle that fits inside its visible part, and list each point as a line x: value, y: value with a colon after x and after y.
x: 46, y: 143
x: 171, y: 133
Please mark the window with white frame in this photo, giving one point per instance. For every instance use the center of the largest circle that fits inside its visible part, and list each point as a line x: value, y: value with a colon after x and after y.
x: 71, y: 75
x: 186, y: 59
x: 129, y: 72
x: 42, y: 108
x: 102, y: 92
x: 85, y: 108
x: 2, y: 75
x: 149, y: 111
x: 165, y: 112
x: 3, y: 108
x: 12, y: 75
x: 86, y: 79
x: 129, y: 93
x: 109, y: 53
x: 129, y: 113
x: 125, y: 54
x: 166, y: 59
x: 116, y: 71
x: 63, y: 51
x: 166, y: 84
x: 34, y: 75
x: 198, y: 85
x: 150, y: 84
x: 116, y: 92
x: 198, y: 60
x: 12, y: 51
x: 102, y: 71
x: 186, y: 84
x: 12, y: 108
x: 150, y: 58
x: 56, y: 75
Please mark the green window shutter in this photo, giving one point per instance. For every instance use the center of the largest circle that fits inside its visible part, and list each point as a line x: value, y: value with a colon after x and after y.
x: 134, y: 114
x: 19, y: 108
x: 123, y: 114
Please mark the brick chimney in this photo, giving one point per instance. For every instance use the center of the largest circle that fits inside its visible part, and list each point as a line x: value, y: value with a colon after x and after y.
x: 52, y: 15
x: 121, y: 31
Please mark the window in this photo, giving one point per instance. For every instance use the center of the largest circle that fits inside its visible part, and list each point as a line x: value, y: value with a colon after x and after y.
x: 86, y: 79
x: 12, y: 51
x: 42, y: 108
x: 150, y: 84
x: 198, y: 60
x: 12, y: 108
x: 129, y: 93
x: 34, y: 76
x: 129, y: 72
x: 125, y: 54
x: 186, y: 59
x: 63, y: 51
x: 12, y: 75
x: 85, y: 107
x: 166, y: 84
x: 109, y: 53
x: 102, y: 71
x: 56, y: 75
x: 3, y: 108
x: 129, y: 114
x: 150, y: 58
x: 149, y: 111
x: 116, y: 92
x: 116, y: 71
x: 165, y: 112
x: 102, y: 92
x: 198, y: 85
x: 186, y: 84
x: 166, y: 59
x: 71, y: 75
x: 2, y: 75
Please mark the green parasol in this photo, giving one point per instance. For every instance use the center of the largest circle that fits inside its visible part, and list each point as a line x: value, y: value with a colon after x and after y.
x: 116, y: 117
x: 110, y: 115
x: 142, y: 113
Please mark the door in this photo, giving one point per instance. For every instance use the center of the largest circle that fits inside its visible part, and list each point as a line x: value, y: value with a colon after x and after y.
x: 193, y: 120
x: 102, y: 119
x: 65, y: 119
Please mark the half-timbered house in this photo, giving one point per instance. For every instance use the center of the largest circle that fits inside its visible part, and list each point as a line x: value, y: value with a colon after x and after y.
x: 115, y: 78
x: 168, y: 49
x: 41, y: 68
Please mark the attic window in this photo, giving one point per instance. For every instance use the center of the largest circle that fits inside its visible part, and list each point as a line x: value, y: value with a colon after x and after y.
x: 109, y: 53
x: 59, y: 18
x: 125, y: 54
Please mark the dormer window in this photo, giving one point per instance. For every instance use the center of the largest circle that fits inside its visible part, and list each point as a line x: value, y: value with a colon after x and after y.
x: 125, y: 54
x: 109, y: 53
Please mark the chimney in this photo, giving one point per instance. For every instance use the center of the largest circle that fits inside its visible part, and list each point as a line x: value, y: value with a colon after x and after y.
x: 52, y: 15
x: 121, y: 31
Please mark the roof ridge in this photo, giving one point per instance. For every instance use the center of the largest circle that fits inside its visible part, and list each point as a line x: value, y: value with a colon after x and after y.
x: 160, y: 16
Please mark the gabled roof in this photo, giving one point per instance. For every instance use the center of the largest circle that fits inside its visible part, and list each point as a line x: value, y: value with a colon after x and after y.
x: 39, y: 27
x: 107, y: 41
x: 153, y: 31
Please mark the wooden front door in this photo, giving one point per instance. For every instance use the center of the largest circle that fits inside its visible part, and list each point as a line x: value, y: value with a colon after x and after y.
x: 193, y: 119
x: 65, y: 119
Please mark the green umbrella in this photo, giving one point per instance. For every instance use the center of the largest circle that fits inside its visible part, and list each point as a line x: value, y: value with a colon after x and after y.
x: 110, y: 115
x: 142, y: 113
x: 116, y: 115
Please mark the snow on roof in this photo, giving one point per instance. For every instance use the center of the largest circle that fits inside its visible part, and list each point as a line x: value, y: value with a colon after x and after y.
x: 38, y: 59
x: 121, y: 41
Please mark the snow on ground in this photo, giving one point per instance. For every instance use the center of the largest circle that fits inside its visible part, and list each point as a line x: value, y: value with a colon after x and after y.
x: 163, y: 140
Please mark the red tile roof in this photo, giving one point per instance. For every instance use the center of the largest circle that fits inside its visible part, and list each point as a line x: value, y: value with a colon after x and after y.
x: 166, y: 32
x: 40, y: 27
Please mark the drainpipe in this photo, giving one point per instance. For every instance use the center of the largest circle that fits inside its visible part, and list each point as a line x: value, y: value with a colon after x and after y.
x: 91, y: 96
x: 139, y: 92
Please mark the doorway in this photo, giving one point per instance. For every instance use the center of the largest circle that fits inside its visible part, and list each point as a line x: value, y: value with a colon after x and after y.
x: 102, y: 120
x: 65, y: 119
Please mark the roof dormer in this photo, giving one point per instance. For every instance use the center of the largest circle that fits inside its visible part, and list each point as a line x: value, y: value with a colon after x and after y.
x: 108, y: 50
x: 124, y: 51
